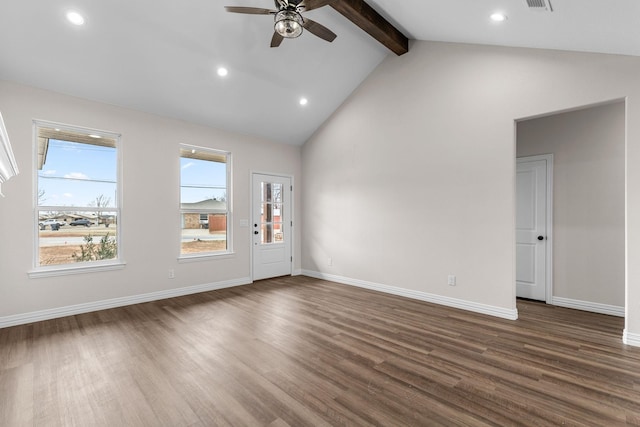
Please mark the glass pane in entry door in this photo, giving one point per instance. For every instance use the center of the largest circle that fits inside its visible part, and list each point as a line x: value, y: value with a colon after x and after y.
x: 271, y: 230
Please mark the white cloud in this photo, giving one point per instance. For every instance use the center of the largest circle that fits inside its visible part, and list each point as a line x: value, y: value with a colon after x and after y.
x: 49, y: 172
x: 76, y: 175
x: 67, y: 195
x: 187, y: 165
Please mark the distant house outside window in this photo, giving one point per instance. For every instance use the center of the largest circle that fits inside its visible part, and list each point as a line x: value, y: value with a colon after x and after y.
x: 77, y: 196
x: 204, y: 201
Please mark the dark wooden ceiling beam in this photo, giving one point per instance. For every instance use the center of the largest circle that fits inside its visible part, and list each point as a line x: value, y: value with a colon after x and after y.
x: 365, y: 17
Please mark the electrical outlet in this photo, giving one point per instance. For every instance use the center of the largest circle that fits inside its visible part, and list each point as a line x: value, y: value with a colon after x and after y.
x: 451, y: 280
x: 172, y: 274
x: 330, y: 261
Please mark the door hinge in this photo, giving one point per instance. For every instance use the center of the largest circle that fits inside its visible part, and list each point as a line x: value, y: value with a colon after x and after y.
x: 292, y: 223
x: 292, y: 258
x: 291, y: 187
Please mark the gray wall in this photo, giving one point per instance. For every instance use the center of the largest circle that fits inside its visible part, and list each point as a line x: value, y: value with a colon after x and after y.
x: 413, y: 178
x: 588, y: 199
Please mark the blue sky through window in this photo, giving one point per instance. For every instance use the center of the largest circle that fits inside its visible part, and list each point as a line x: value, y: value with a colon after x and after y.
x: 202, y: 180
x: 75, y: 174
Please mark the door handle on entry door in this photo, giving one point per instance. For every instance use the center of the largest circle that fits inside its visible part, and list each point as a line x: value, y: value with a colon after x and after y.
x: 540, y: 238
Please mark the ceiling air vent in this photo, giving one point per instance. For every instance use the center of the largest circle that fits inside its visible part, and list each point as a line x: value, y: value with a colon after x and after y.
x: 540, y: 5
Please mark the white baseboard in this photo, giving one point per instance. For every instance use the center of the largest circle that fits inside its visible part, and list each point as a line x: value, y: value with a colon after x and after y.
x: 53, y: 313
x: 611, y: 310
x: 422, y: 296
x: 630, y: 338
x: 296, y: 272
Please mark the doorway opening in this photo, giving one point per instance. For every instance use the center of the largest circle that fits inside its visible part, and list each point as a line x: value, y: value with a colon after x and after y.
x: 588, y: 244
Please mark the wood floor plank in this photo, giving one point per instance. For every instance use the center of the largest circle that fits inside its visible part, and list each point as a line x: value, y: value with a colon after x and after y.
x: 16, y: 395
x: 298, y: 351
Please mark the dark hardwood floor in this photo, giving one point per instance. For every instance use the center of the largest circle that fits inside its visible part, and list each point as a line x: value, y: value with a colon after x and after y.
x: 297, y: 351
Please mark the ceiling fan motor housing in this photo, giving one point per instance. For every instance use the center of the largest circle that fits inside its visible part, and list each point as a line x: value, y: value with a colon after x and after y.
x: 288, y: 23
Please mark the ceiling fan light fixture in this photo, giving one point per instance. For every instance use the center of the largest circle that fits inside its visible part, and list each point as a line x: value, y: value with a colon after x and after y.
x: 288, y: 24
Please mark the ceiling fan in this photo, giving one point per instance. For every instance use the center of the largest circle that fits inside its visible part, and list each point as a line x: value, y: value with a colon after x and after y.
x: 288, y: 19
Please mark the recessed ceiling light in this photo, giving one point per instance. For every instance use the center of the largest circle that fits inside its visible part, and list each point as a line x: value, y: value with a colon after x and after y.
x: 75, y: 18
x: 498, y: 17
x: 303, y: 101
x: 222, y: 71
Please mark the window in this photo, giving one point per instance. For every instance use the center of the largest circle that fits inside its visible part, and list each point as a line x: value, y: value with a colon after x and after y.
x: 204, y: 201
x: 271, y: 213
x: 77, y: 205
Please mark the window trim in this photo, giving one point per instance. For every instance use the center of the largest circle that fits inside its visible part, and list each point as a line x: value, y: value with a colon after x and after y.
x: 78, y: 267
x: 203, y: 256
x: 8, y: 164
x: 53, y: 271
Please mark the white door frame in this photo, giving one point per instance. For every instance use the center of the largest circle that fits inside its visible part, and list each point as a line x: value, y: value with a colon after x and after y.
x: 291, y: 211
x: 549, y: 219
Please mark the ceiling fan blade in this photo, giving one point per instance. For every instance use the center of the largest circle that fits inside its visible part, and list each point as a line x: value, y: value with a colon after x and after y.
x: 250, y: 10
x: 319, y: 30
x: 276, y: 39
x: 314, y: 4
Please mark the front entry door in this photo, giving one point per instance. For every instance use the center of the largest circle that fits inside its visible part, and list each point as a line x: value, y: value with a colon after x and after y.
x: 271, y: 226
x: 531, y: 228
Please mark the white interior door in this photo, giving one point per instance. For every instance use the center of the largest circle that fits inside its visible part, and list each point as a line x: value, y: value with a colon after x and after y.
x: 271, y: 226
x: 531, y: 228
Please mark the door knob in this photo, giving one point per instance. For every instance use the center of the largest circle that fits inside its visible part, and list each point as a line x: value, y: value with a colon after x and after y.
x: 540, y: 238
x: 255, y: 232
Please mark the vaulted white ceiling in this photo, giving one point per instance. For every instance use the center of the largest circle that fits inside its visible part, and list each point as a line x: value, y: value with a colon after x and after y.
x: 161, y: 56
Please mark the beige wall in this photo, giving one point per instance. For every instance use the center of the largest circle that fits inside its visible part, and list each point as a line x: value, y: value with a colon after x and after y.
x: 588, y: 199
x: 150, y: 242
x: 413, y: 178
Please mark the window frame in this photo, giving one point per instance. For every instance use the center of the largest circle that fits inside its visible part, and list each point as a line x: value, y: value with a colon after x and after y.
x: 85, y: 266
x: 228, y: 212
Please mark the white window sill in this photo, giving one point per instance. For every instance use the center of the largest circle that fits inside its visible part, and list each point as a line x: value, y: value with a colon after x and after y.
x: 67, y: 270
x: 205, y: 257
